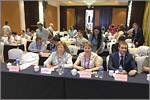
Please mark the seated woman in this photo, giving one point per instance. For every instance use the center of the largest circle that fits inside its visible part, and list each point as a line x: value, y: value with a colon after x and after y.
x: 88, y: 60
x: 59, y: 56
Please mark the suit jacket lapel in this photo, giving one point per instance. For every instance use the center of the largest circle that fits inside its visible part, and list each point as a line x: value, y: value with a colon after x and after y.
x: 117, y: 59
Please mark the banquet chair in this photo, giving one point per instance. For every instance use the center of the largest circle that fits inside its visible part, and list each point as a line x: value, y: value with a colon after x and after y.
x: 24, y: 41
x: 109, y: 46
x: 140, y: 61
x: 29, y: 59
x: 73, y: 49
x: 4, y: 39
x: 1, y: 52
x: 61, y: 33
x: 14, y: 53
x: 104, y: 45
x: 128, y: 40
x: 131, y: 45
x: 107, y: 61
x: 67, y: 43
x: 63, y: 39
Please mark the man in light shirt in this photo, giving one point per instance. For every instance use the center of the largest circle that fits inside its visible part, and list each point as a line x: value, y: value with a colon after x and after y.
x: 16, y: 38
x: 80, y: 39
x: 122, y: 58
x: 42, y: 32
x: 6, y: 29
x: 37, y: 46
x: 50, y: 28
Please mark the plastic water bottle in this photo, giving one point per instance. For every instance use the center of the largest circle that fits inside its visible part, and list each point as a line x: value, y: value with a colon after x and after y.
x: 52, y: 50
x: 60, y: 71
x: 120, y: 68
x: 100, y: 74
x: 17, y: 61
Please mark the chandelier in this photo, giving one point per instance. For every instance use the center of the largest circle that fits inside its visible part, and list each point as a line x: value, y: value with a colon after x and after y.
x: 89, y: 2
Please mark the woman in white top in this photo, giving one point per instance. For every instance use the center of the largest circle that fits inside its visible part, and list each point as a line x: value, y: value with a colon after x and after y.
x: 59, y: 56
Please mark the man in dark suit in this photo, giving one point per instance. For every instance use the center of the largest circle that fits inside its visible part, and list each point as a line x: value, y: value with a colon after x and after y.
x: 122, y: 58
x: 137, y: 36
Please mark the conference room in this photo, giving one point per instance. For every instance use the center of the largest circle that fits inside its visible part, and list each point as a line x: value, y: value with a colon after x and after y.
x: 74, y: 49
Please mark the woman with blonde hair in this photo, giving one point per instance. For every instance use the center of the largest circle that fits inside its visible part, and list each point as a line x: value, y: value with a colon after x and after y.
x: 88, y: 60
x: 59, y: 56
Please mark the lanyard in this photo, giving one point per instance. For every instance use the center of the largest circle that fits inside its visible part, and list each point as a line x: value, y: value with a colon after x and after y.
x: 85, y: 61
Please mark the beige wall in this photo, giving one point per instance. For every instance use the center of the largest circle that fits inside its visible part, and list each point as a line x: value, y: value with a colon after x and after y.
x: 119, y: 16
x: 51, y: 17
x: 70, y: 17
x: 96, y: 17
x: 10, y: 13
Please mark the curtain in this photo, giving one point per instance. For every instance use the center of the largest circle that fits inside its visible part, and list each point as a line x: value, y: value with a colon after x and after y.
x: 145, y: 26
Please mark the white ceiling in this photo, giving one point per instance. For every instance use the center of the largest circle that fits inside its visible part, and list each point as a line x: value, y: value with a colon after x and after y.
x: 81, y: 3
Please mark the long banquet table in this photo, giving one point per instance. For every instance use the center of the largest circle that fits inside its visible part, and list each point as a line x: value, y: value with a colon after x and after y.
x: 28, y: 84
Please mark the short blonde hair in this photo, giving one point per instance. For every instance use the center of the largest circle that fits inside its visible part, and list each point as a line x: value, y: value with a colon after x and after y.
x: 88, y: 44
x: 61, y: 43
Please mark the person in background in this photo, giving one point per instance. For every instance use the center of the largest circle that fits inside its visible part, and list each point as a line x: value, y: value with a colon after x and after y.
x: 97, y: 40
x: 59, y: 56
x: 42, y: 32
x: 37, y: 46
x: 72, y: 31
x: 50, y: 28
x: 6, y: 29
x: 16, y: 38
x: 116, y: 46
x: 108, y: 33
x: 85, y: 35
x: 137, y: 37
x: 88, y: 60
x: 146, y: 65
x: 52, y: 45
x: 29, y: 33
x: 103, y: 29
x: 23, y: 34
x: 112, y: 29
x: 122, y: 58
x: 80, y: 39
x: 119, y: 32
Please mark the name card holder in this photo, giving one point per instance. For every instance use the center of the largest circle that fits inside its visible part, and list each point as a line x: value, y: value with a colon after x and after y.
x: 46, y: 70
x: 121, y: 77
x: 84, y: 74
x: 14, y: 68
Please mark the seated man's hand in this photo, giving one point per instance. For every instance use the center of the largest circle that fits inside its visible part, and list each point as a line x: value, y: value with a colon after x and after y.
x: 123, y: 72
x: 132, y: 72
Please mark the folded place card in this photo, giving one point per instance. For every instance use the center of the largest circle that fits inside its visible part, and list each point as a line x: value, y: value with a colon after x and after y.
x: 14, y: 68
x: 84, y: 74
x: 46, y: 70
x: 15, y: 44
x: 120, y: 77
x: 44, y: 54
